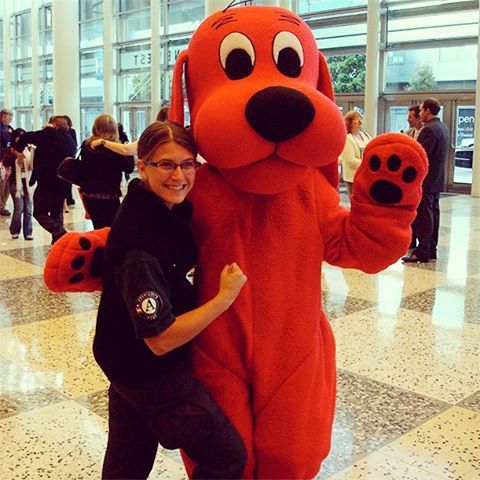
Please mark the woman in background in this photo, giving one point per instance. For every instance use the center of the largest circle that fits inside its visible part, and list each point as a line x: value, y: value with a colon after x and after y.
x: 352, y: 154
x: 102, y: 172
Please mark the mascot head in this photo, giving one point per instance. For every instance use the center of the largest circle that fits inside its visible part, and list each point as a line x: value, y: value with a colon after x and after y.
x: 260, y: 98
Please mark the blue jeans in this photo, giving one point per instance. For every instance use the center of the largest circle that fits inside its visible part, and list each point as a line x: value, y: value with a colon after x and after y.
x: 22, y: 209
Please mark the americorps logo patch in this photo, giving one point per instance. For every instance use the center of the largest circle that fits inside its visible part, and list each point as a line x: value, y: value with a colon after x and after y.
x: 148, y: 304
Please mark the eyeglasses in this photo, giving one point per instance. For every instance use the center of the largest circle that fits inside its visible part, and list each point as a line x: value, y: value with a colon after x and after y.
x: 168, y: 166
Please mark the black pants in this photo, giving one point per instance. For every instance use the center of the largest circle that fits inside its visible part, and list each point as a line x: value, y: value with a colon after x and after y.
x: 426, y: 225
x: 139, y: 420
x: 102, y: 211
x: 48, y: 209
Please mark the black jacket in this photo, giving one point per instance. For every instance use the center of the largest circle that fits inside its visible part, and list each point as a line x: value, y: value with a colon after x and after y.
x: 102, y: 169
x: 434, y: 138
x: 53, y: 145
x: 144, y: 224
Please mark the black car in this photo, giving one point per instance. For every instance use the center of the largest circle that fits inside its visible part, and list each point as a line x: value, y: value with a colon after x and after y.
x: 464, y: 157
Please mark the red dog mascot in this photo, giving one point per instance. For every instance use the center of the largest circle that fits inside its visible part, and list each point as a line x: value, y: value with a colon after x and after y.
x: 263, y: 116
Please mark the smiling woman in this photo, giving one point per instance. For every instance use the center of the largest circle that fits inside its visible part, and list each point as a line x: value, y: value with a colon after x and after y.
x: 147, y: 315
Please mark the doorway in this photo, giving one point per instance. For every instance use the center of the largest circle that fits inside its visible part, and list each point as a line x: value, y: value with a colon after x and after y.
x: 135, y: 118
x: 458, y: 114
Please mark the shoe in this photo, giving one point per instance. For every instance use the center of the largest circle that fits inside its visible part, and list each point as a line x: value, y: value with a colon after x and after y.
x: 5, y: 213
x: 28, y: 237
x: 413, y: 258
x: 15, y: 235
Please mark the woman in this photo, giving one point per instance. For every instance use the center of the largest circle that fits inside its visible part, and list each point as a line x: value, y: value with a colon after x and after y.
x: 147, y: 314
x: 352, y: 154
x: 20, y: 189
x: 102, y: 172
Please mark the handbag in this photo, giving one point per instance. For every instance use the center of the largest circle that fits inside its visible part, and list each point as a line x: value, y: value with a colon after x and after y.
x: 70, y: 170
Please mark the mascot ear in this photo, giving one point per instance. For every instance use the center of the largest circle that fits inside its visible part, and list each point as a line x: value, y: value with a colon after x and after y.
x: 175, y: 113
x: 325, y: 84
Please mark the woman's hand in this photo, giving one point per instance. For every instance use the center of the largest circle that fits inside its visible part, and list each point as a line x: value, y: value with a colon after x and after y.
x: 96, y: 143
x: 232, y: 280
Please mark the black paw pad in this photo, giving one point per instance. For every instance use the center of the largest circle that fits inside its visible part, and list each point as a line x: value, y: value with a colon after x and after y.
x: 78, y: 277
x: 78, y: 262
x: 85, y: 243
x: 385, y: 191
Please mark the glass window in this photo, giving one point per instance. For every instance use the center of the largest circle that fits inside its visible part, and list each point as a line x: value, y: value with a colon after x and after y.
x: 91, y: 76
x: 430, y: 25
x: 134, y: 26
x: 442, y: 68
x: 23, y: 95
x: 22, y: 28
x: 348, y: 72
x: 91, y: 34
x: 45, y: 33
x: 465, y: 124
x: 310, y: 6
x: 90, y: 10
x: 185, y: 15
x: 127, y: 5
x: 134, y: 87
x: 134, y: 57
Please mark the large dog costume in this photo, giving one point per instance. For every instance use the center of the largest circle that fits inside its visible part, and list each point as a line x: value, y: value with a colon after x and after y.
x: 263, y: 116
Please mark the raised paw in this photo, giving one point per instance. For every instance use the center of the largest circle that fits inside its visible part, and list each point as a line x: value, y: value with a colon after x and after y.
x: 74, y: 264
x: 392, y: 171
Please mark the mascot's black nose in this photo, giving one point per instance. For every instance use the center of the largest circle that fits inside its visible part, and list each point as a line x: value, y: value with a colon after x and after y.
x: 279, y: 113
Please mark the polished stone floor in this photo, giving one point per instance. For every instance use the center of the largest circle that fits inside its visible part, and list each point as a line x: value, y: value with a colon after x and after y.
x: 408, y: 343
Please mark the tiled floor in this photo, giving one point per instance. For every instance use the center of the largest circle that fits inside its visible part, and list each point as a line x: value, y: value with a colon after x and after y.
x: 408, y: 343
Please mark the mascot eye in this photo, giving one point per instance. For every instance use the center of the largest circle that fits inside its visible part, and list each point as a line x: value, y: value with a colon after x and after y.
x: 237, y: 56
x: 288, y: 54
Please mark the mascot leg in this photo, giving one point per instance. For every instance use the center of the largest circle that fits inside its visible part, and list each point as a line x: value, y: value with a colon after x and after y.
x: 292, y: 432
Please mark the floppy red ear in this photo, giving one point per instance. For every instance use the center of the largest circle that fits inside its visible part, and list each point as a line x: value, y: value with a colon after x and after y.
x: 325, y: 84
x: 175, y: 114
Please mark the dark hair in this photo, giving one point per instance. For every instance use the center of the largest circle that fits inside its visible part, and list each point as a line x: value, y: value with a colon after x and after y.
x: 16, y: 134
x: 162, y: 114
x: 163, y: 132
x: 432, y: 104
x: 415, y: 109
x: 69, y: 120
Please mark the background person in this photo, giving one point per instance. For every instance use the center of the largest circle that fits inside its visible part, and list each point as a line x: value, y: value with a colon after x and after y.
x: 434, y: 138
x: 414, y: 121
x: 352, y: 154
x: 102, y: 172
x: 71, y: 131
x: 146, y: 316
x: 53, y: 145
x: 20, y: 190
x: 6, y: 131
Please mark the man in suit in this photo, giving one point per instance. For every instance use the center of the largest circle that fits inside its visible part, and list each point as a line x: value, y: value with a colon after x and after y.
x: 434, y: 138
x: 414, y: 121
x: 53, y: 145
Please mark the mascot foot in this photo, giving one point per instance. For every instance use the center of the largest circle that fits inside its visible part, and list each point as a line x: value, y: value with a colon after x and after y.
x: 392, y: 170
x: 74, y: 263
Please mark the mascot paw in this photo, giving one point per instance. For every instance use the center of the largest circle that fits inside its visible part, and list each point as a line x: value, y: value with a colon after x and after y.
x: 392, y: 171
x: 74, y: 264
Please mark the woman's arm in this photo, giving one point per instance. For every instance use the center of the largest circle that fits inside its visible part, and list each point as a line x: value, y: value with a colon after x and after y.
x: 190, y: 324
x: 143, y: 286
x: 120, y: 148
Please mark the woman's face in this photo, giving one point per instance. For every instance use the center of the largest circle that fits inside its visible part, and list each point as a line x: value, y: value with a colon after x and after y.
x: 356, y: 124
x: 170, y: 173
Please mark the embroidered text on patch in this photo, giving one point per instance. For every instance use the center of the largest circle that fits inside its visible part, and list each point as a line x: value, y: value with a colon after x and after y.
x: 148, y: 304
